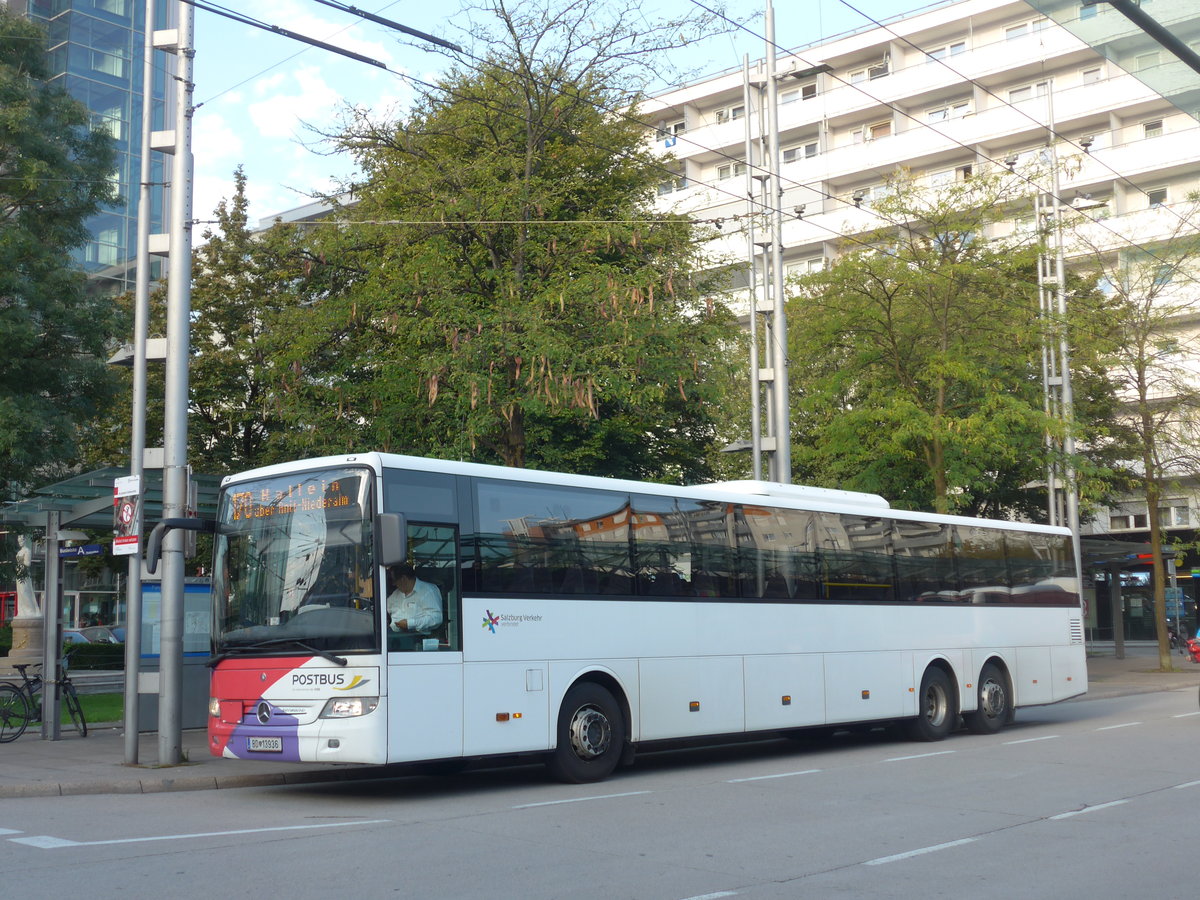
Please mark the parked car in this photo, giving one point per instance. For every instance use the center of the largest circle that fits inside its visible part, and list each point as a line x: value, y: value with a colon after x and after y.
x: 118, y: 632
x: 75, y: 637
x: 100, y: 634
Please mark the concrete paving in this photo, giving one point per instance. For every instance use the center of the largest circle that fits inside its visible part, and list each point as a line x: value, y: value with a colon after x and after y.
x: 32, y: 767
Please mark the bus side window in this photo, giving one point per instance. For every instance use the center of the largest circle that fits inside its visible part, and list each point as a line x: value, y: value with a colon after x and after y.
x: 433, y: 551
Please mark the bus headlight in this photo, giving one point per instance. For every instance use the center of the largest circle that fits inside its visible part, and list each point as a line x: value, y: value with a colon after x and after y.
x: 214, y: 707
x: 348, y: 707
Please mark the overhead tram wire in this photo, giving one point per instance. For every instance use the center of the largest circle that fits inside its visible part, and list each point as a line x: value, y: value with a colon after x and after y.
x: 388, y: 23
x: 1024, y: 112
x: 892, y: 106
x: 285, y: 32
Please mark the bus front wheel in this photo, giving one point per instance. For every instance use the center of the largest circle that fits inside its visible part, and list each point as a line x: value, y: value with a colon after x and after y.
x: 935, y: 708
x: 591, y: 735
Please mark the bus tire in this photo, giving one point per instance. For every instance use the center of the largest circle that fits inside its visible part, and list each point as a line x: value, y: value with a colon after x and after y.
x: 994, y: 702
x: 591, y: 735
x: 936, y: 714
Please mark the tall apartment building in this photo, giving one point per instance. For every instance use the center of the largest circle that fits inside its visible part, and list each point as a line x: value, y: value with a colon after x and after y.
x: 96, y: 49
x: 944, y: 92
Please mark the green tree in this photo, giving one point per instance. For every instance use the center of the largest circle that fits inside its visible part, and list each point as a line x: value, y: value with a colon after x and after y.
x: 54, y: 173
x: 916, y: 366
x: 1153, y: 363
x: 511, y: 295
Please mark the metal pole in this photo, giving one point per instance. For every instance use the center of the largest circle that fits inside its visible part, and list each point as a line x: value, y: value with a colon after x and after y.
x: 755, y: 387
x: 782, y: 469
x: 170, y: 729
x: 52, y: 633
x: 1066, y: 394
x: 137, y: 430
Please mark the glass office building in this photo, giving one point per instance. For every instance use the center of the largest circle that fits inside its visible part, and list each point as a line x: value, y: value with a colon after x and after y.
x: 96, y: 51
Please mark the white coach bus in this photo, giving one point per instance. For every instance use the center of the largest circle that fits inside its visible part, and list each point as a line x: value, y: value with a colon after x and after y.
x: 375, y: 608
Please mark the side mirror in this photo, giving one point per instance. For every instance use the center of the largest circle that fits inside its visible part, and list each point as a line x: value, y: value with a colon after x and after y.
x: 154, y: 544
x: 391, y: 543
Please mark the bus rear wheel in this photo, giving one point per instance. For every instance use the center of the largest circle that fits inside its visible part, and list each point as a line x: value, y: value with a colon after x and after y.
x: 935, y: 708
x: 591, y: 735
x: 994, y: 708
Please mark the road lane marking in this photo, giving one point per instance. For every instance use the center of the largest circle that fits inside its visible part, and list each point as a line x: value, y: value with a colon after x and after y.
x: 1185, y: 715
x: 580, y: 799
x: 48, y: 842
x: 765, y: 777
x: 10, y: 831
x: 1122, y: 725
x: 1087, y: 809
x: 920, y: 756
x: 911, y: 853
x: 713, y: 896
x: 1189, y: 784
x: 1049, y: 737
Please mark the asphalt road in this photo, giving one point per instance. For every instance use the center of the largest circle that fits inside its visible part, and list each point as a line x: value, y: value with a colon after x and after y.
x: 1094, y: 800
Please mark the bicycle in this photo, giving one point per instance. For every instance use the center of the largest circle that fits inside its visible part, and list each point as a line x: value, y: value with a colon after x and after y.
x: 20, y: 705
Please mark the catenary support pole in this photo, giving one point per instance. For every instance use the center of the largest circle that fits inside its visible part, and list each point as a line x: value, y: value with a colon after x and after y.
x: 137, y: 430
x: 170, y: 700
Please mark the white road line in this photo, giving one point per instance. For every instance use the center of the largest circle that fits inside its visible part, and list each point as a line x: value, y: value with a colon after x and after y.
x: 1186, y: 715
x: 911, y: 853
x: 10, y: 831
x: 1087, y: 809
x: 919, y: 756
x: 1122, y: 725
x: 713, y: 896
x: 47, y: 842
x: 1049, y: 737
x: 580, y: 799
x: 765, y: 777
x: 1189, y: 784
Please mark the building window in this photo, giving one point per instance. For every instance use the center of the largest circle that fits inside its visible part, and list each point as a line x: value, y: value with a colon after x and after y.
x: 872, y: 132
x: 1088, y: 12
x: 806, y: 150
x: 1029, y: 91
x: 1092, y: 75
x: 949, y: 111
x: 1157, y: 197
x: 730, y: 113
x: 943, y: 52
x: 676, y: 182
x: 804, y: 92
x: 1144, y: 61
x: 870, y: 73
x: 1153, y: 128
x: 1174, y: 515
x: 670, y: 131
x: 805, y: 266
x: 1012, y: 32
x: 730, y: 170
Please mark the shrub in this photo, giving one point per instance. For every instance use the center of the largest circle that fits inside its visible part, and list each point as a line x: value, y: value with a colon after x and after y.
x: 96, y: 656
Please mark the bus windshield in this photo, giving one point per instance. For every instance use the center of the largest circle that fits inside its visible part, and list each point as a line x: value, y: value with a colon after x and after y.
x: 293, y: 567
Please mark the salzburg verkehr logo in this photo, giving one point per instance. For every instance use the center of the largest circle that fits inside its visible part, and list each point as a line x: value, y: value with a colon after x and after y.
x: 490, y: 622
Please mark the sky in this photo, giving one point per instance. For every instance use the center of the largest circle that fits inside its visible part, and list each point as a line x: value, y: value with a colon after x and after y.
x: 263, y: 98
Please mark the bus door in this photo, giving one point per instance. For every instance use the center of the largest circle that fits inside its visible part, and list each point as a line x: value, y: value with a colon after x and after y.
x: 424, y: 670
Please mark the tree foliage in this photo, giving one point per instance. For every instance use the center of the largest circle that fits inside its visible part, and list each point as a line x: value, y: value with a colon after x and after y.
x: 54, y: 173
x: 916, y: 357
x: 1152, y: 362
x: 505, y: 291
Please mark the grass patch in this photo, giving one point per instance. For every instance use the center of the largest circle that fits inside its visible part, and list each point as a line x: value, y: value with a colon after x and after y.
x: 98, y: 708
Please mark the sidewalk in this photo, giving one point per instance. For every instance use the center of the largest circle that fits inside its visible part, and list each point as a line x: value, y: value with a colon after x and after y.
x: 31, y: 767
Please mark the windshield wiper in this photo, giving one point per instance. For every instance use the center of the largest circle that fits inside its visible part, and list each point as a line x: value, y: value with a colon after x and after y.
x: 324, y: 654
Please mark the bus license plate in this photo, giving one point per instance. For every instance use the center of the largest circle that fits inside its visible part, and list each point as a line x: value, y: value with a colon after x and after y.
x: 265, y: 744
